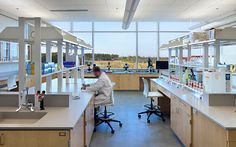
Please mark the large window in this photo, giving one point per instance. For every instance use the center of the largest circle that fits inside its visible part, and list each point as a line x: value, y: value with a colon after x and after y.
x: 164, y: 39
x: 118, y: 46
x: 228, y: 54
x: 85, y: 36
x: 8, y: 51
x: 147, y: 48
x: 82, y: 26
x: 176, y: 26
x: 147, y: 26
x: 112, y: 26
x: 172, y: 30
x: 63, y: 25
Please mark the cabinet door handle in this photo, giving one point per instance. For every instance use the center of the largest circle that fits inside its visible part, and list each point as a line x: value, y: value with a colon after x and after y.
x: 194, y: 111
x: 1, y: 139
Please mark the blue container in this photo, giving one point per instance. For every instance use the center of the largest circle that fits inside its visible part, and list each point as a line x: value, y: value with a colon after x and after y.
x: 69, y: 64
x: 29, y: 72
x: 51, y: 67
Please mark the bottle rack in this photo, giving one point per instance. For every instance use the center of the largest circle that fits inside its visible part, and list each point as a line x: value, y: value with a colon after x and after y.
x: 196, y: 56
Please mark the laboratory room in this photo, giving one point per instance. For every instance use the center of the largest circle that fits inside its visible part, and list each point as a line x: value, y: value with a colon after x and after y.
x: 117, y: 73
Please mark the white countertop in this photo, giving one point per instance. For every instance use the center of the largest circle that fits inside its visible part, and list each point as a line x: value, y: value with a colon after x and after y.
x: 57, y: 117
x: 225, y: 116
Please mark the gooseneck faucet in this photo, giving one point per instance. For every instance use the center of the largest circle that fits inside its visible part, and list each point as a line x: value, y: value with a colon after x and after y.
x: 26, y: 105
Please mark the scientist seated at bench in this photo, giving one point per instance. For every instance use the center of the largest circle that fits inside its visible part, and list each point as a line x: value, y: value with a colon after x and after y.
x: 102, y: 87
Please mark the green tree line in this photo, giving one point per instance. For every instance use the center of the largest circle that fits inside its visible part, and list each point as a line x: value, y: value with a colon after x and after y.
x: 103, y: 57
x: 110, y: 57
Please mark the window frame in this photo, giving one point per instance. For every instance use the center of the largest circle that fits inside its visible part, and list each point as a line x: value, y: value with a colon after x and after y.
x: 136, y: 31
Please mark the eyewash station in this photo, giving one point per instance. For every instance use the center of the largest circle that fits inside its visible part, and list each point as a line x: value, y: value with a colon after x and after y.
x: 49, y: 103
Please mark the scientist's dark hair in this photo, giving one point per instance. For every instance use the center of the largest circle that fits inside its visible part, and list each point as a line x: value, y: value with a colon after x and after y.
x: 96, y: 69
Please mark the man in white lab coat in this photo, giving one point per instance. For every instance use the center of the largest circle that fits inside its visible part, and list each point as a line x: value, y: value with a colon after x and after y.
x: 102, y: 87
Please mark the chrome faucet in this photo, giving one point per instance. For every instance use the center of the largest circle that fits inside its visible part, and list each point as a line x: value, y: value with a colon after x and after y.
x: 27, y: 105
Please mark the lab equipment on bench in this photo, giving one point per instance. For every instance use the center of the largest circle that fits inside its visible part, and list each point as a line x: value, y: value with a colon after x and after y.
x: 162, y: 65
x: 89, y: 68
x: 47, y: 68
x: 69, y: 64
x: 217, y: 82
x: 150, y: 66
x: 126, y: 67
x: 109, y: 67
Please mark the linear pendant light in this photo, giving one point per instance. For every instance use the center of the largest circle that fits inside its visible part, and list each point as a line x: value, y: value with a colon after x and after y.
x: 130, y: 8
x: 69, y: 10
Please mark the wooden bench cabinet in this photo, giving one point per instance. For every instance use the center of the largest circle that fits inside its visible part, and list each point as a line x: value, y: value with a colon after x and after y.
x: 79, y: 136
x: 126, y: 81
x: 45, y: 138
x: 181, y: 120
x: 194, y: 128
x: 207, y: 133
x: 89, y: 123
x: 60, y: 138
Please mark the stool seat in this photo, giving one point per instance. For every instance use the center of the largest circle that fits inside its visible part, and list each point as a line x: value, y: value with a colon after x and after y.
x: 151, y: 108
x: 154, y: 94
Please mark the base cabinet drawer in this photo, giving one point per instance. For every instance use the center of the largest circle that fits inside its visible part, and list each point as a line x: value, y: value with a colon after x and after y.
x: 34, y: 138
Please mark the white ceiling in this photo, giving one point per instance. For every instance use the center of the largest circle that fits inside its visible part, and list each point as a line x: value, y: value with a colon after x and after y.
x: 113, y: 10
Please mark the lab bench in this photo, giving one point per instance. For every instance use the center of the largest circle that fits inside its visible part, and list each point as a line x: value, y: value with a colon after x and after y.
x: 127, y: 81
x: 195, y: 123
x: 61, y: 126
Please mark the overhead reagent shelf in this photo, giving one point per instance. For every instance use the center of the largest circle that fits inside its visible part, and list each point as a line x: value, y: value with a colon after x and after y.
x: 47, y: 34
x: 222, y: 36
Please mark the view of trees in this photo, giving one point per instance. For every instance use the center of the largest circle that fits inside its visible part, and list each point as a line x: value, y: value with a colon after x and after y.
x: 103, y: 57
x: 113, y: 57
x: 115, y: 60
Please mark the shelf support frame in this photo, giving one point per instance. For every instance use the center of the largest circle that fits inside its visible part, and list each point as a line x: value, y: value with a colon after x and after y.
x: 48, y: 59
x: 205, y: 55
x: 216, y: 53
x: 59, y: 64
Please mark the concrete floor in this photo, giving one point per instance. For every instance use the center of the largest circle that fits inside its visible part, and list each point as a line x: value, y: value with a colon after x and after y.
x: 135, y: 132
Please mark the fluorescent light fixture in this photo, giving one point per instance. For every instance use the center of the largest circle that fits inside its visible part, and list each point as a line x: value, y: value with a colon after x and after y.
x: 130, y: 8
x: 70, y: 10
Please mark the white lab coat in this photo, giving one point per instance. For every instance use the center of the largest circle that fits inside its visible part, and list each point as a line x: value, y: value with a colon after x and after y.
x: 103, y: 87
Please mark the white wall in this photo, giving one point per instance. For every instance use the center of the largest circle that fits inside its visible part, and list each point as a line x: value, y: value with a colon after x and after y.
x: 5, y: 22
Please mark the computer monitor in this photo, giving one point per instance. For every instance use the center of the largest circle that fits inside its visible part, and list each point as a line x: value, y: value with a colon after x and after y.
x: 162, y: 65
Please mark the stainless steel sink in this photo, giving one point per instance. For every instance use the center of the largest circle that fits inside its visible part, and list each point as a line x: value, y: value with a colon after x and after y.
x: 20, y: 117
